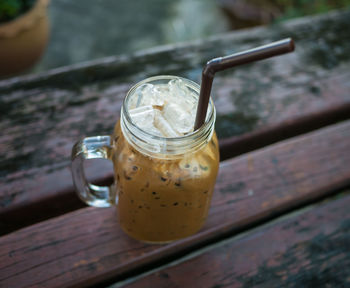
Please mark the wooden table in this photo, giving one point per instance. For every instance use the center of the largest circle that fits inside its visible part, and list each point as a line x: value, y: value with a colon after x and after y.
x: 280, y: 212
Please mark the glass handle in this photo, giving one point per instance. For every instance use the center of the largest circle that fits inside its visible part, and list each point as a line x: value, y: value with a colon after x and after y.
x: 92, y: 148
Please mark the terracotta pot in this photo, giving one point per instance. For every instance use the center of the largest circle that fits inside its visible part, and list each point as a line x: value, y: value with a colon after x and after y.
x: 24, y: 39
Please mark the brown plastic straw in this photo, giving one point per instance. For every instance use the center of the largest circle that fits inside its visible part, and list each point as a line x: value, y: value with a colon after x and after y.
x: 222, y: 63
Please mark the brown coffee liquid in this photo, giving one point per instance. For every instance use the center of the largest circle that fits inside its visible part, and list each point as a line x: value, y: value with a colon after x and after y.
x: 161, y: 200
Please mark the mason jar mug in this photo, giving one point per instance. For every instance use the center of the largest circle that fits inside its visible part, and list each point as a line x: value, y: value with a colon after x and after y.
x: 162, y: 185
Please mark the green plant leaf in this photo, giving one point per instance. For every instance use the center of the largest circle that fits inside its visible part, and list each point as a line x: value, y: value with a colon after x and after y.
x: 10, y: 9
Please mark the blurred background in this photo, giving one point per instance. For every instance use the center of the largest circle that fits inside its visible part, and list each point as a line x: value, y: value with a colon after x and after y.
x: 82, y: 30
x: 88, y: 29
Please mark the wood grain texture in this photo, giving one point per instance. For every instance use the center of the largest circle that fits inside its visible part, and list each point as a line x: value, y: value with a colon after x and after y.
x: 42, y: 116
x: 87, y: 246
x: 307, y: 249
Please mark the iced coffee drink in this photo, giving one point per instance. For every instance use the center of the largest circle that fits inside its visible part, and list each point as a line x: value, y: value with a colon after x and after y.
x: 164, y: 151
x: 164, y: 171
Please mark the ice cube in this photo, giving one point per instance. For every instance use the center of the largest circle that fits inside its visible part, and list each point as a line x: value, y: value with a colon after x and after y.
x: 181, y: 120
x: 158, y: 96
x: 163, y: 126
x: 143, y: 117
x: 140, y: 110
x: 137, y: 97
x: 178, y: 87
x: 147, y: 94
x: 180, y: 94
x: 152, y: 130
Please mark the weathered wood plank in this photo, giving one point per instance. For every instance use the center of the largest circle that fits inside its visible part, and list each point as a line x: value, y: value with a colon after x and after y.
x: 42, y: 116
x: 237, y: 145
x: 307, y: 249
x: 84, y: 247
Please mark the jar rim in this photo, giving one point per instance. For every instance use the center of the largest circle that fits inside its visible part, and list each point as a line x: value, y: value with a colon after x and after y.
x: 187, y: 142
